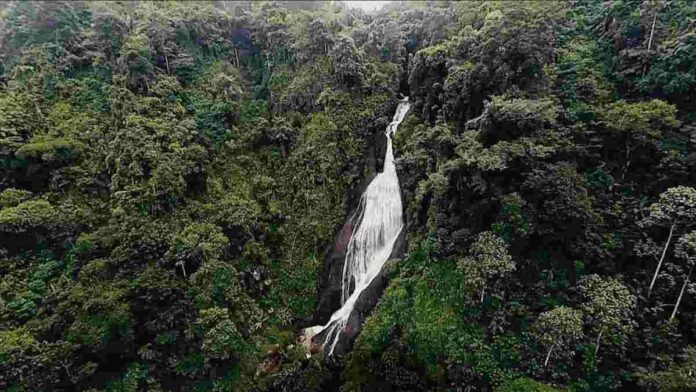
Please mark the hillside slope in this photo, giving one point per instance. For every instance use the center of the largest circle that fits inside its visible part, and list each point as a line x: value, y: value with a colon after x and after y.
x: 173, y: 174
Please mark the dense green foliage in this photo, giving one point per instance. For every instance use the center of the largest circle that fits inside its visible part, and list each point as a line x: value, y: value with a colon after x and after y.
x: 169, y: 182
x: 172, y: 173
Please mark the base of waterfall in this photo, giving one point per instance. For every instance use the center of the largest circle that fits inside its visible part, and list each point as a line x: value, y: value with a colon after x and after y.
x: 314, y: 338
x: 346, y: 322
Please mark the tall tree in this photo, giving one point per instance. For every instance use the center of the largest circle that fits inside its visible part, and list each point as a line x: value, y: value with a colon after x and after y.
x: 686, y: 250
x: 558, y: 329
x: 608, y: 307
x: 637, y: 124
x: 487, y: 263
x: 675, y: 208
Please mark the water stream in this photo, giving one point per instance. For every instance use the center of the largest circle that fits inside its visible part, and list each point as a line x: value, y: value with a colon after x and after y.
x: 378, y: 221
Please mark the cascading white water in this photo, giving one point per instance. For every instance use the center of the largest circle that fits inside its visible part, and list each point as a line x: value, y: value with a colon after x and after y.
x: 379, y: 223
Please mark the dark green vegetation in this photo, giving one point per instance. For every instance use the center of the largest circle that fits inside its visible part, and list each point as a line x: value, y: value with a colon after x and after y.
x: 171, y: 175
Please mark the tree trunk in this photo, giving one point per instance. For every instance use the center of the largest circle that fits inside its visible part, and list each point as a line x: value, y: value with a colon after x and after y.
x: 548, y: 355
x: 652, y: 32
x: 483, y: 291
x: 599, y: 340
x: 681, y: 294
x: 38, y: 110
x: 166, y: 60
x: 628, y: 161
x: 183, y: 269
x: 662, y: 258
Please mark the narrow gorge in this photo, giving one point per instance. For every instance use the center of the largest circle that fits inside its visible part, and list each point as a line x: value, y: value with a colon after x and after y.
x: 378, y: 221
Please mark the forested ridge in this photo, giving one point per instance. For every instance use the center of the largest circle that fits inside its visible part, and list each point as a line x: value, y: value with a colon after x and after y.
x: 174, y: 174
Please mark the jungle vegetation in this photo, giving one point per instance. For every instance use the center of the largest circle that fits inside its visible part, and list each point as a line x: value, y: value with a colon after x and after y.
x: 172, y: 173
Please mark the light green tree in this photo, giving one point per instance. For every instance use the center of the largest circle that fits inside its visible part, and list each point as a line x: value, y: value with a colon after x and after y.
x: 638, y: 123
x: 558, y: 329
x: 221, y: 338
x: 608, y: 307
x: 488, y: 261
x: 198, y: 240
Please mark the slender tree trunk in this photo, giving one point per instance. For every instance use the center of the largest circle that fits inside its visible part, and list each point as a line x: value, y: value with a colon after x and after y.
x: 662, y: 258
x: 548, y: 355
x: 628, y: 161
x: 183, y: 269
x: 599, y: 340
x: 483, y: 291
x: 166, y: 60
x: 681, y: 294
x: 652, y: 32
x: 38, y: 109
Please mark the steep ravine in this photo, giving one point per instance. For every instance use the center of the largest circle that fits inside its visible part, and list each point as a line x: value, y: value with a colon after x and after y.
x: 329, y: 277
x: 372, y: 235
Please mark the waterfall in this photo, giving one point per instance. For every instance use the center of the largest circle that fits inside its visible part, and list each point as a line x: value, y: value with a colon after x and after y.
x: 378, y: 221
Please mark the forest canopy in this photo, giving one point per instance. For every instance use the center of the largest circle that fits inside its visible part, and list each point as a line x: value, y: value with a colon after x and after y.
x: 174, y: 174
